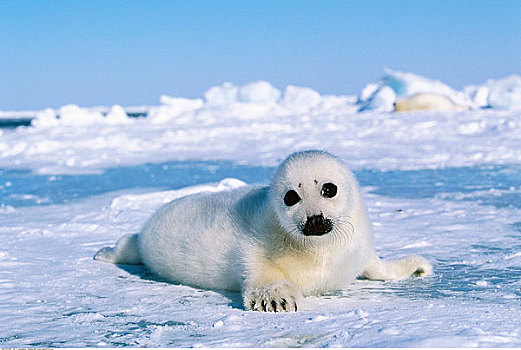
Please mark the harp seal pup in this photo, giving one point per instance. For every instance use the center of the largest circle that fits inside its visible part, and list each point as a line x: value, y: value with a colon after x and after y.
x: 427, y: 101
x: 307, y: 233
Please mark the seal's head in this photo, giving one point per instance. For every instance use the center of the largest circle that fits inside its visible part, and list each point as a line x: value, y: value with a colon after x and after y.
x: 313, y: 193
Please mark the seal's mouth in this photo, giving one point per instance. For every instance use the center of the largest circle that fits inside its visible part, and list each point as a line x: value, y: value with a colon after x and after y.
x: 317, y: 225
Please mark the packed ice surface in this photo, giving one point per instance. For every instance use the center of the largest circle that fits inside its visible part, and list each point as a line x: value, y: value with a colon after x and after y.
x: 443, y: 185
x: 53, y: 294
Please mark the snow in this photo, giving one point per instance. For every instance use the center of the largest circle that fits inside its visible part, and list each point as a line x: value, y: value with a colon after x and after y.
x: 173, y: 107
x: 46, y: 118
x: 53, y: 294
x: 394, y: 85
x: 221, y: 95
x: 264, y: 134
x: 500, y: 94
x: 382, y: 99
x: 445, y: 185
x: 407, y: 84
x: 117, y: 115
x: 74, y: 115
x: 259, y: 92
x: 300, y: 99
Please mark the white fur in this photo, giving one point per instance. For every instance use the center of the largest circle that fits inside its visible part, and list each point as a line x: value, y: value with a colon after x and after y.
x: 427, y: 101
x: 247, y: 239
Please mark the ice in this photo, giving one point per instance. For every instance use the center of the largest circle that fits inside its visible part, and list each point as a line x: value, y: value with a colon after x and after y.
x: 46, y: 118
x: 53, y: 294
x: 259, y: 92
x: 173, y: 107
x: 396, y: 85
x: 74, y: 115
x: 222, y: 95
x: 367, y: 92
x: 500, y: 94
x: 117, y: 115
x: 445, y: 185
x: 381, y: 100
x: 181, y: 104
x: 406, y: 84
x: 265, y: 133
x: 300, y: 99
x: 478, y: 95
x: 222, y: 127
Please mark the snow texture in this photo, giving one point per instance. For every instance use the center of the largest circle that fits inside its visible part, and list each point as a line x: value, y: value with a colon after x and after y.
x: 443, y: 185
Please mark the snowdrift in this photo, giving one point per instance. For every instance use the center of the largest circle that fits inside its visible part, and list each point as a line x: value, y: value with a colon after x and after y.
x: 258, y: 123
x: 256, y: 99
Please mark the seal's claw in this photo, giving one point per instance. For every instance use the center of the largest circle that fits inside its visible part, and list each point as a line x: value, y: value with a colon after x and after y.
x: 277, y: 297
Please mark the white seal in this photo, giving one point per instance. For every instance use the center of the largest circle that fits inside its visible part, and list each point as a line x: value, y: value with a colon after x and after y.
x: 427, y: 101
x: 307, y: 233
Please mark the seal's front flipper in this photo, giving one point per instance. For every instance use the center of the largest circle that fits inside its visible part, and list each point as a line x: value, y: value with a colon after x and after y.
x: 125, y: 252
x: 413, y: 265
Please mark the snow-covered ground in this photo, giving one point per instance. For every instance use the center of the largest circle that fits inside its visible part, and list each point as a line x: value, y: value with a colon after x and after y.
x: 446, y: 185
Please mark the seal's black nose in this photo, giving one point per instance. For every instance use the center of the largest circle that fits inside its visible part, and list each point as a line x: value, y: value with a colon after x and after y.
x: 317, y: 225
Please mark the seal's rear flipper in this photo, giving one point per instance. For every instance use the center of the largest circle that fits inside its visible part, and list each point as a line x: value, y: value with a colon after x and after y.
x: 412, y: 265
x: 125, y: 252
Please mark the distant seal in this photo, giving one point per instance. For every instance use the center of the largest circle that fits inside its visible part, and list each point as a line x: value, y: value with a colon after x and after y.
x: 427, y: 101
x: 306, y: 233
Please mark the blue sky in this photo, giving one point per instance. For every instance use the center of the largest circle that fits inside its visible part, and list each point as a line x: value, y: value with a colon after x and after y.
x: 129, y: 52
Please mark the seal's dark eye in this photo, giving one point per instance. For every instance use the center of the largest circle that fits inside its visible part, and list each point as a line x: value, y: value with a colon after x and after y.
x: 328, y: 190
x: 291, y: 198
